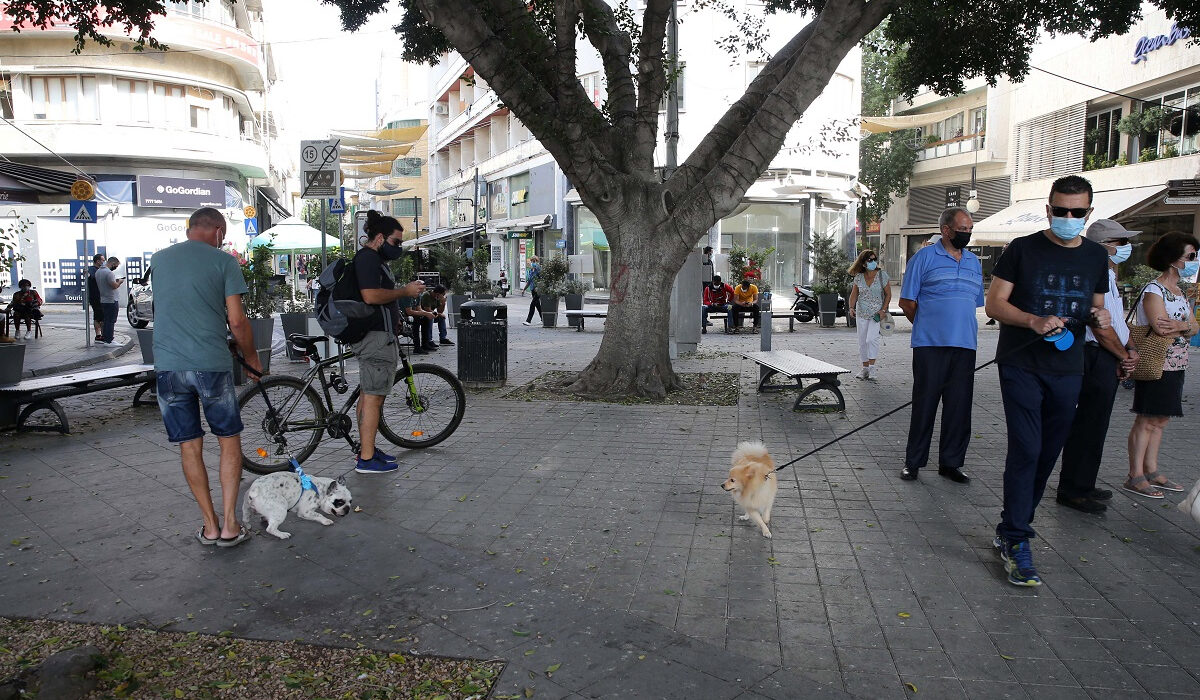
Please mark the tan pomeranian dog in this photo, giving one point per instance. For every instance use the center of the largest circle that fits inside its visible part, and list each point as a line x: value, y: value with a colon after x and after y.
x: 752, y: 483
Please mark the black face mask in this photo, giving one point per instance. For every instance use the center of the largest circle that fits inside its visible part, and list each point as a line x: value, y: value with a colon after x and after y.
x: 387, y: 251
x: 960, y: 239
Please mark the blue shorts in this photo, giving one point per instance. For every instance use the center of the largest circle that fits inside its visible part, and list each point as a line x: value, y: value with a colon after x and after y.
x: 180, y: 395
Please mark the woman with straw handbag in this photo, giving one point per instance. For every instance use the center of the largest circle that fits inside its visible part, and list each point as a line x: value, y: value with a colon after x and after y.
x: 1164, y: 311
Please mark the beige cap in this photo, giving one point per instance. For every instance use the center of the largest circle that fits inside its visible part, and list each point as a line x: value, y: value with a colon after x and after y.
x: 1102, y: 230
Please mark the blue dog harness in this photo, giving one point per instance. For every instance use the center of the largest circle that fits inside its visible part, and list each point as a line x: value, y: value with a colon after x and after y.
x: 306, y: 483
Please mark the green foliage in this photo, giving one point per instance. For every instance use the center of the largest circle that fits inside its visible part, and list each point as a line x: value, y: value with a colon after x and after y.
x: 551, y: 280
x: 830, y: 264
x: 404, y: 270
x: 1148, y: 121
x: 10, y: 243
x: 1169, y: 151
x: 479, y: 269
x: 749, y: 258
x: 289, y: 300
x: 257, y: 272
x: 451, y: 263
x: 1148, y: 154
x: 329, y: 224
x: 885, y: 161
x: 576, y: 286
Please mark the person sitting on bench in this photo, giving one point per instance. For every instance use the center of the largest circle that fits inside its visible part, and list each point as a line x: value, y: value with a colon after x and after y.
x: 25, y: 307
x: 745, y: 300
x: 717, y: 297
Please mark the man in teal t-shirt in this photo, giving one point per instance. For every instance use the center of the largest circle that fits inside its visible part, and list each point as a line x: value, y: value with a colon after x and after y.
x: 197, y: 295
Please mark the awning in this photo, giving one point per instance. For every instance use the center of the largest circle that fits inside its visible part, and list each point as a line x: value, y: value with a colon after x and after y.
x: 292, y: 235
x: 43, y: 180
x: 1029, y: 215
x: 446, y: 234
x: 880, y: 125
x: 274, y: 202
x: 525, y: 222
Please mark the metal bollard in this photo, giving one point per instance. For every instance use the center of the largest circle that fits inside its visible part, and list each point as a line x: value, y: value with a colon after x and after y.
x: 764, y: 339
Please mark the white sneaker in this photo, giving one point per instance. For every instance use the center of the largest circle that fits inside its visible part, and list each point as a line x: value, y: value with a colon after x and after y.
x: 28, y: 335
x: 526, y: 323
x: 863, y: 373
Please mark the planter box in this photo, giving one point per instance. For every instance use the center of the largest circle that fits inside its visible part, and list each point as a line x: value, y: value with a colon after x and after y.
x: 145, y: 338
x: 827, y: 309
x: 549, y: 311
x: 12, y: 362
x: 574, y: 303
x: 454, y: 302
x: 293, y: 323
x: 263, y: 329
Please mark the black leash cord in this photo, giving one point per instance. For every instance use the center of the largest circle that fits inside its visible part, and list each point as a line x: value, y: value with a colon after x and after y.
x: 906, y: 404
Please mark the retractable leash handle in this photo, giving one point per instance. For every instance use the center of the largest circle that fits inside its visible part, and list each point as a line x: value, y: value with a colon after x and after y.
x: 1056, y: 336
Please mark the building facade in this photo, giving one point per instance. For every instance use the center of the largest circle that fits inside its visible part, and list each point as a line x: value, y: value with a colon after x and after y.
x: 487, y: 168
x: 1124, y: 112
x: 160, y: 133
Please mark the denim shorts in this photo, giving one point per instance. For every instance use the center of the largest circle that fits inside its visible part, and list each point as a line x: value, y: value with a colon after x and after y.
x: 180, y: 395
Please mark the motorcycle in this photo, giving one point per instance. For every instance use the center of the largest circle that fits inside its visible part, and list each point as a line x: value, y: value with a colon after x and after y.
x: 503, y: 284
x: 804, y: 306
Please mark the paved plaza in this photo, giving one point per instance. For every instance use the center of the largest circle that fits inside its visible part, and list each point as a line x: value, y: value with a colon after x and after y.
x: 596, y: 536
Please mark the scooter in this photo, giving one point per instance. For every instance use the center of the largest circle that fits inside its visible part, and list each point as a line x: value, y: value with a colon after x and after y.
x: 804, y: 306
x: 503, y: 283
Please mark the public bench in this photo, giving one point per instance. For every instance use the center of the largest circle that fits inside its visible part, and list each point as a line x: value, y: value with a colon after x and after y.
x: 581, y: 314
x: 41, y: 393
x: 799, y: 367
x: 725, y: 315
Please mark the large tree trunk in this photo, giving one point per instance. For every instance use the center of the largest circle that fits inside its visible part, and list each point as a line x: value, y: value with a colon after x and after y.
x: 634, y: 358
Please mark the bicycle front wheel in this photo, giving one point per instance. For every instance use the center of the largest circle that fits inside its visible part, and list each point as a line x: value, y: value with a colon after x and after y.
x: 426, y: 413
x: 291, y: 427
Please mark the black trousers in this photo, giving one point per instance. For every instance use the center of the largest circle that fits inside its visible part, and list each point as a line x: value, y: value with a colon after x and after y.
x: 535, y: 305
x: 737, y: 310
x: 946, y: 376
x: 1084, y: 449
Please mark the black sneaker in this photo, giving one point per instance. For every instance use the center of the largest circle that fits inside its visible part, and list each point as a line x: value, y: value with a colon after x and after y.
x: 419, y: 351
x: 447, y: 341
x: 429, y: 347
x: 1100, y: 495
x: 1083, y: 505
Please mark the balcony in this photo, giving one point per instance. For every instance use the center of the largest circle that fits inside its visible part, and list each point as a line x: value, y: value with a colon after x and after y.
x: 954, y: 146
x: 479, y: 109
x: 512, y: 156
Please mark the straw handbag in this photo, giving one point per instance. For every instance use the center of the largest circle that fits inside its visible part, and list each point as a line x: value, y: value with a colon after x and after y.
x: 1151, y: 347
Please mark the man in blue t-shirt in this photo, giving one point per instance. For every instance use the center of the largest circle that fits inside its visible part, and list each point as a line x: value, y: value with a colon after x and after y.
x: 943, y: 286
x: 197, y: 290
x: 1043, y: 283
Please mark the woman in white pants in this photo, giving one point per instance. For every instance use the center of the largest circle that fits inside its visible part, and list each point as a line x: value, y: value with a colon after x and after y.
x: 869, y: 298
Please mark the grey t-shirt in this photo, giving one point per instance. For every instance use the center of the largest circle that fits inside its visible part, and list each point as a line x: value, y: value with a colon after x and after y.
x: 191, y: 280
x: 104, y: 280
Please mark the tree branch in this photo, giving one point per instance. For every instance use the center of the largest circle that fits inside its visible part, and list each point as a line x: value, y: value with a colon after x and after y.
x: 600, y: 27
x: 651, y: 78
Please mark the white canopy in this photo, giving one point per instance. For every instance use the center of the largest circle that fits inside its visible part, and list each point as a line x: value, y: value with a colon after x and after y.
x: 292, y: 235
x: 1029, y: 215
x: 880, y: 125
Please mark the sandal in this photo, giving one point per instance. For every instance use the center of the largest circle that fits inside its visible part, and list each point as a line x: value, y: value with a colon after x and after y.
x: 205, y: 540
x: 244, y: 534
x: 1147, y: 490
x: 1166, y: 484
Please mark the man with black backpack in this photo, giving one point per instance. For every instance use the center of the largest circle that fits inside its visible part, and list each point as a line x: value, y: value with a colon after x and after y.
x: 377, y: 351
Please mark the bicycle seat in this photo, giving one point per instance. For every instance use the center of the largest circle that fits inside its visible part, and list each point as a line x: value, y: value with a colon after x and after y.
x: 301, y: 340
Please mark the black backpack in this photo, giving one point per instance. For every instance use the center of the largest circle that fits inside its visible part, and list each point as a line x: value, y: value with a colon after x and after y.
x: 341, y: 311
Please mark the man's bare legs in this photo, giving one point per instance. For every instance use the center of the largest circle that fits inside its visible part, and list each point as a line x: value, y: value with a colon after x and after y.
x: 369, y: 408
x: 192, y: 453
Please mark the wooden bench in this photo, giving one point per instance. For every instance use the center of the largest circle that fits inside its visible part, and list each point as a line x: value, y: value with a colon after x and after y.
x: 799, y: 367
x: 581, y: 314
x: 40, y: 393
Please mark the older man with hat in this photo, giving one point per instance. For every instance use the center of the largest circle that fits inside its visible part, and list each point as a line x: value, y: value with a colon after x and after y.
x: 1108, y: 357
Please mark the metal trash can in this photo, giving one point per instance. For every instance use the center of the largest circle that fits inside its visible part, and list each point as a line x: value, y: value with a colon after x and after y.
x: 483, y: 344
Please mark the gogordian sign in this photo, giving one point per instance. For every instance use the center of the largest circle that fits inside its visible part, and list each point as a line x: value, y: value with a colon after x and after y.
x: 1153, y: 43
x: 178, y: 192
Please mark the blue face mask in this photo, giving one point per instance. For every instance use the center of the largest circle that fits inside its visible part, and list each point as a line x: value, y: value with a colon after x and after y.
x: 1190, y: 268
x: 872, y: 265
x: 1066, y: 228
x: 1122, y: 254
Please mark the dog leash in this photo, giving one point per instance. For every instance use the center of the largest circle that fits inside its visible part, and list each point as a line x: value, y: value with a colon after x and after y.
x: 1055, y: 336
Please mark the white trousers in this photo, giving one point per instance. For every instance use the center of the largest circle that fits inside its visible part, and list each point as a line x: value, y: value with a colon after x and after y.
x: 868, y: 338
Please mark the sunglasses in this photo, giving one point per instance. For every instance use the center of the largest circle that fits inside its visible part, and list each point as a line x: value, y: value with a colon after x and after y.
x: 1189, y: 257
x: 1077, y: 212
x: 871, y: 260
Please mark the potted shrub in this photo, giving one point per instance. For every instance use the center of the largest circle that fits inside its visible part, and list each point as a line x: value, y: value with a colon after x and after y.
x: 833, y: 278
x: 481, y: 287
x: 451, y: 265
x: 551, y: 284
x: 12, y: 353
x: 573, y: 291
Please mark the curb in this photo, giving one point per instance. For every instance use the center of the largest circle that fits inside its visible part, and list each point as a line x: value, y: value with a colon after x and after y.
x: 112, y: 354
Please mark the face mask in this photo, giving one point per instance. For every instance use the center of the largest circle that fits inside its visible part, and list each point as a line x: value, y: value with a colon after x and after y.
x: 387, y: 251
x: 872, y: 265
x: 960, y: 239
x: 1066, y: 229
x: 1190, y: 268
x: 1122, y: 254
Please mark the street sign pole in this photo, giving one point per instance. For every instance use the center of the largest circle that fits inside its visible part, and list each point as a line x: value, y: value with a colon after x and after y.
x: 324, y: 262
x: 87, y: 310
x: 342, y: 232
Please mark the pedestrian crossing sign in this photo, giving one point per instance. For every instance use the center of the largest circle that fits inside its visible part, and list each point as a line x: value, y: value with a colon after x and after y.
x: 83, y: 211
x: 251, y: 227
x: 337, y: 206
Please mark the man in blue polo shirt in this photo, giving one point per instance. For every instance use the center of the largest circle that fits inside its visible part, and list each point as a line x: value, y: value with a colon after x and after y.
x: 943, y: 286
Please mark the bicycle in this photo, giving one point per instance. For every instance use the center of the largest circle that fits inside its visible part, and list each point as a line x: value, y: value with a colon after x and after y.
x: 425, y: 407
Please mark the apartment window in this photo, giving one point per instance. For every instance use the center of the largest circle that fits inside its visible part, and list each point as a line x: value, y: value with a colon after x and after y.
x: 168, y: 106
x: 407, y: 167
x: 680, y: 82
x: 1050, y: 145
x: 593, y: 85
x: 753, y: 68
x: 1181, y: 134
x: 64, y: 98
x: 133, y: 101
x: 6, y: 107
x: 406, y: 207
x: 221, y: 12
x: 1101, y: 140
x: 199, y: 118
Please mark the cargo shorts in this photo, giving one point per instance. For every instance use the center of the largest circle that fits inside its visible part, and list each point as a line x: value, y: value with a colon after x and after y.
x: 378, y: 355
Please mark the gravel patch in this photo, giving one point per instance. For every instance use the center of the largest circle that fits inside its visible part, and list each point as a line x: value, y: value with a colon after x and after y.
x: 141, y: 663
x: 697, y: 389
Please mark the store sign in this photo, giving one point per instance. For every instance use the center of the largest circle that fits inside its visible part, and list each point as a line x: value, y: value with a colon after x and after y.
x: 952, y: 197
x: 519, y: 234
x: 1182, y: 192
x: 179, y: 193
x: 18, y: 195
x: 1147, y: 44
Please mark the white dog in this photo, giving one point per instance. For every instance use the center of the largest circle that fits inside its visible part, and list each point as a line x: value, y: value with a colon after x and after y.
x: 275, y: 494
x: 752, y: 483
